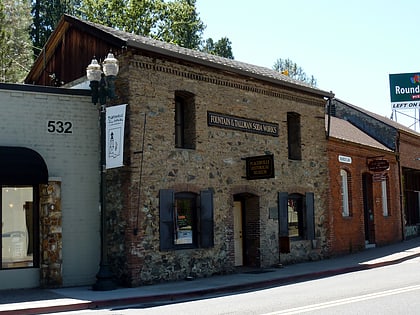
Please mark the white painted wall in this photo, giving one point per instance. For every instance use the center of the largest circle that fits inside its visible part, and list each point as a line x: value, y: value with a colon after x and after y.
x: 72, y: 157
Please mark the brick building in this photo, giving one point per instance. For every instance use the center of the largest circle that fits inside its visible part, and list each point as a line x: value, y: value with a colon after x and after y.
x: 233, y: 170
x: 403, y: 174
x: 364, y: 202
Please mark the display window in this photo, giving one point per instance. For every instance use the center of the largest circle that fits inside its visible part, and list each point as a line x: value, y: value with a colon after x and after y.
x: 19, y: 230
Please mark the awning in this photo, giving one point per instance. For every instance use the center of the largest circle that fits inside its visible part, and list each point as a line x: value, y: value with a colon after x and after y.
x: 22, y: 166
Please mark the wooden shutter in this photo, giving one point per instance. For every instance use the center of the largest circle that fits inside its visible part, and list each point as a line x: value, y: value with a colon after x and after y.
x: 166, y: 224
x: 284, y: 241
x: 283, y: 198
x: 206, y: 219
x: 310, y: 215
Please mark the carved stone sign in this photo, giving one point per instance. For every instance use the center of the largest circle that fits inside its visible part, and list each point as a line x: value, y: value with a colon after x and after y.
x: 260, y: 167
x: 242, y: 124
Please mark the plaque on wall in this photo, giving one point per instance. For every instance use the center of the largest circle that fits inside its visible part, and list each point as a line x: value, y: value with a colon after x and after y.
x: 378, y: 165
x: 242, y: 124
x: 260, y: 167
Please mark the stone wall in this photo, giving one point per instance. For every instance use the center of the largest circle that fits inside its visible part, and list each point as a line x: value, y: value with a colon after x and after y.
x: 216, y: 163
x: 50, y: 218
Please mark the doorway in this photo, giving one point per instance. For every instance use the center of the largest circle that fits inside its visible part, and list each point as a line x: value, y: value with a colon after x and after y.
x: 369, y: 218
x: 237, y: 233
x: 246, y: 230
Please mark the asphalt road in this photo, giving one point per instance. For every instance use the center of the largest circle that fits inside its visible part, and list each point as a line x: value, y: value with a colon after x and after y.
x: 388, y: 290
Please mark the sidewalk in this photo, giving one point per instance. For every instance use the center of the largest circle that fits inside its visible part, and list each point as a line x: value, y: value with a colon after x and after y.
x: 37, y: 301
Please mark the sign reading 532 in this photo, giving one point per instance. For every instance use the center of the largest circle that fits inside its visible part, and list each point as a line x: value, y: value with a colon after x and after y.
x: 59, y: 126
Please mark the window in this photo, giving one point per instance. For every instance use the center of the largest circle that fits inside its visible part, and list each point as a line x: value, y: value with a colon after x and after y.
x: 385, y: 196
x: 296, y: 215
x: 186, y: 219
x: 294, y: 136
x: 184, y: 120
x: 19, y: 228
x: 21, y: 172
x: 345, y: 193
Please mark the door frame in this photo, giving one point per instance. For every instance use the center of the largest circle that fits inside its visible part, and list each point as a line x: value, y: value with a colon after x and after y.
x: 238, y: 232
x: 368, y: 208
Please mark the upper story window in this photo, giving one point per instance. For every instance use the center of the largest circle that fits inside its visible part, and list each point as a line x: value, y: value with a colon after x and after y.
x: 294, y: 136
x: 345, y: 192
x: 184, y: 120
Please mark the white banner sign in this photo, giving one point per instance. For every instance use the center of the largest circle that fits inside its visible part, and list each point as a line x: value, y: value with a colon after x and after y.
x: 114, y: 143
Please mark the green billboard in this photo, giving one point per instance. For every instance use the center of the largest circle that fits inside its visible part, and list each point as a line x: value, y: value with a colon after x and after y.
x: 405, y: 90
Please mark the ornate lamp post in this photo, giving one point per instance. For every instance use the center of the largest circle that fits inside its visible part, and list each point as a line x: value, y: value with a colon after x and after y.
x: 102, y: 86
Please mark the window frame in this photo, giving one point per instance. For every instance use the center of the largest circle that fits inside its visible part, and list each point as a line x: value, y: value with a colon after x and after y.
x: 294, y: 136
x: 345, y: 192
x: 185, y: 120
x: 192, y: 198
x: 307, y: 216
x: 385, y: 197
x: 35, y: 226
x: 203, y: 229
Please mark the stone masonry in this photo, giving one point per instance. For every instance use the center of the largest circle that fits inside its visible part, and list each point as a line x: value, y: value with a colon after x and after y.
x: 51, y: 235
x: 149, y: 86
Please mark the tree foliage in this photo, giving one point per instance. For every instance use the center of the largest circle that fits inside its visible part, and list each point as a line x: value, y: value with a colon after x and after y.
x: 223, y: 47
x: 175, y: 21
x: 46, y: 14
x: 15, y: 44
x: 291, y: 69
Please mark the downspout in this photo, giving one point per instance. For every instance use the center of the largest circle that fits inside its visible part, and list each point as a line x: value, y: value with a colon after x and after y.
x: 400, y: 179
x: 329, y: 118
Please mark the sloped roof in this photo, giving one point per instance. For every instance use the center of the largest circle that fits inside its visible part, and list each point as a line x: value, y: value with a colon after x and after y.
x: 380, y: 118
x: 166, y: 49
x: 344, y: 130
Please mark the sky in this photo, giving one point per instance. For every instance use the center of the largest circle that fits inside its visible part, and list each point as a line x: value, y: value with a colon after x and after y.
x: 350, y: 47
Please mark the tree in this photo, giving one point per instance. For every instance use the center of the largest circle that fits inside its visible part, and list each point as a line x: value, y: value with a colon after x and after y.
x: 291, y: 69
x: 175, y: 21
x: 223, y: 47
x: 16, y: 55
x: 46, y: 14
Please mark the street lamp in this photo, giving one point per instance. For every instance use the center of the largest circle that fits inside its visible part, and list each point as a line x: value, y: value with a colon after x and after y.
x: 102, y: 85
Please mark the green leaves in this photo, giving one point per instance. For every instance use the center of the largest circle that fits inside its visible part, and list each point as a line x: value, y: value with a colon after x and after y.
x: 16, y: 55
x: 291, y: 69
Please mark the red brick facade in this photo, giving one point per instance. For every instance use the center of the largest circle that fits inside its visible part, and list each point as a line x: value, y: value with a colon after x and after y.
x: 347, y: 233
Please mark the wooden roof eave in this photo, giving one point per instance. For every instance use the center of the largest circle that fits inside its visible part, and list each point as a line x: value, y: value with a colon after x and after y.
x: 47, y: 52
x: 57, y: 37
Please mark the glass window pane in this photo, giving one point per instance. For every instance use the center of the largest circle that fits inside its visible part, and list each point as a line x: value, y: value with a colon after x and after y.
x: 183, y: 221
x: 17, y: 227
x: 293, y: 218
x: 345, y: 193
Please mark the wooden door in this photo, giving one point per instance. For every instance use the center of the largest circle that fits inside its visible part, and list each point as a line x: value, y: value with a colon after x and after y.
x: 237, y: 233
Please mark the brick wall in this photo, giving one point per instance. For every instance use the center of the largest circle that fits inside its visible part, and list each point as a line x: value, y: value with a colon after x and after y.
x: 347, y: 234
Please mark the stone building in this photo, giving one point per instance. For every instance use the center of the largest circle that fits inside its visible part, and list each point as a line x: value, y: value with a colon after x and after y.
x: 403, y: 175
x: 225, y: 163
x: 49, y: 180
